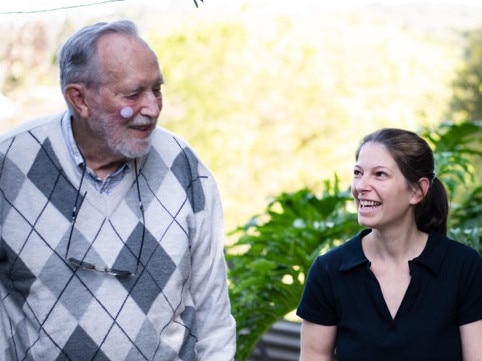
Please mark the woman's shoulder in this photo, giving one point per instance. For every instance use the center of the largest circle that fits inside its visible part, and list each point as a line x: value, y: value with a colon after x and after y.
x: 464, y: 252
x: 442, y: 250
x: 456, y: 248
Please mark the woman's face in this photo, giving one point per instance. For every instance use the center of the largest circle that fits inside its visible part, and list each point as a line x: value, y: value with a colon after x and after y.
x: 382, y: 194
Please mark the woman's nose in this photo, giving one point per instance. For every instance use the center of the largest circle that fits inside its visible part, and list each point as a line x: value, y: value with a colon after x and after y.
x: 361, y: 183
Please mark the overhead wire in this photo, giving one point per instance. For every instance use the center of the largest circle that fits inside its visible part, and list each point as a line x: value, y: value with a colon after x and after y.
x: 12, y: 12
x: 56, y: 8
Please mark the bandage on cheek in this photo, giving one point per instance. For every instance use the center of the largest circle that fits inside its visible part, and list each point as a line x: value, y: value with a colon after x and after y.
x: 126, y: 112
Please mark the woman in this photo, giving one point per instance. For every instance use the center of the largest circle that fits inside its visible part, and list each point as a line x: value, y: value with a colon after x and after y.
x: 400, y: 289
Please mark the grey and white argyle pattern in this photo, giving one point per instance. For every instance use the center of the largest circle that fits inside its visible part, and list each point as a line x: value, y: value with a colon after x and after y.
x: 51, y: 310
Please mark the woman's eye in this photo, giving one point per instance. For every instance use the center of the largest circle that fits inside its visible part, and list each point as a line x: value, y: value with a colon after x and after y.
x: 356, y: 172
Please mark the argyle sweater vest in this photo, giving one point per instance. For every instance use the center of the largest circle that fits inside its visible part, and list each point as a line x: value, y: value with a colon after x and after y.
x: 176, y: 305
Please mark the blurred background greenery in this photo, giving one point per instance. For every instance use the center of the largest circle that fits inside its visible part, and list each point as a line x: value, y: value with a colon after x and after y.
x: 273, y: 96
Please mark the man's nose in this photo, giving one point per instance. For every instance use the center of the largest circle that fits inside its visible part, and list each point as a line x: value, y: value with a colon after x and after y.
x: 151, y: 105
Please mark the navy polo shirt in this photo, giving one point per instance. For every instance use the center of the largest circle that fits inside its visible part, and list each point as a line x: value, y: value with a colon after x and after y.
x: 445, y: 292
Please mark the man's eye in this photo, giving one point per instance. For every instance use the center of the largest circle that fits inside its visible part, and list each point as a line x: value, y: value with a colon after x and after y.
x: 133, y: 96
x: 157, y: 92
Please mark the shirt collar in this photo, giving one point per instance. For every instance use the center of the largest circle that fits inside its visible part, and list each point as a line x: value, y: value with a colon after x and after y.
x: 69, y: 139
x: 430, y: 258
x: 102, y: 185
x: 434, y: 252
x: 352, y: 254
x: 72, y: 145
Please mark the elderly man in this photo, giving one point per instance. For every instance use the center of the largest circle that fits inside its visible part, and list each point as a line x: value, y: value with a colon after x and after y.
x: 111, y: 227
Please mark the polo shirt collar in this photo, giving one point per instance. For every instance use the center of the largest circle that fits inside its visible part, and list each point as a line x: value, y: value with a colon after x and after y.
x: 352, y: 254
x: 430, y: 258
x: 434, y: 252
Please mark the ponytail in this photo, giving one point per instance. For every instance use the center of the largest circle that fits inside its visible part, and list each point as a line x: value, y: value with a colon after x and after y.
x: 432, y: 212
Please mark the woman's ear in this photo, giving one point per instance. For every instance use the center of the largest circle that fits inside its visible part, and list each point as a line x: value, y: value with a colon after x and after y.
x: 420, y: 190
x: 75, y: 95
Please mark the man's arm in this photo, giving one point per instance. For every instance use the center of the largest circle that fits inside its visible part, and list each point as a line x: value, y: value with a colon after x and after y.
x: 216, y: 328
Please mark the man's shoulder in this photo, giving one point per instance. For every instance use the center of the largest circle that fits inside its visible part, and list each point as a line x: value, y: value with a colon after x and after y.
x: 162, y: 133
x: 170, y: 144
x: 30, y: 125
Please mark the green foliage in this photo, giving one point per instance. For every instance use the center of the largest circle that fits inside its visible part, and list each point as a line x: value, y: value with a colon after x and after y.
x: 456, y: 148
x: 459, y: 147
x: 274, y: 251
x: 267, y: 105
x: 466, y: 220
x: 466, y: 102
x: 269, y: 261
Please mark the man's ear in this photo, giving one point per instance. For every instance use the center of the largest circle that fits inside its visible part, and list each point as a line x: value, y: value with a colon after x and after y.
x: 420, y: 190
x: 75, y: 95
